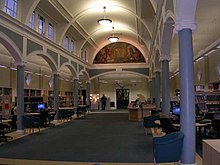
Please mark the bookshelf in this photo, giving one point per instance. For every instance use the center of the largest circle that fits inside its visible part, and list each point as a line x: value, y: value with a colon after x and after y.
x: 208, y: 101
x: 5, y: 102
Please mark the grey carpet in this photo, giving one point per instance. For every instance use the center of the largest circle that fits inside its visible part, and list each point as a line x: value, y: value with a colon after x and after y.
x: 97, y: 138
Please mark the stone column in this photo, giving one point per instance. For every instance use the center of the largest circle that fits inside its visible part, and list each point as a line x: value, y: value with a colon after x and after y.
x: 75, y: 94
x: 184, y: 24
x: 56, y: 95
x: 157, y: 89
x: 20, y: 98
x: 88, y: 94
x: 165, y: 87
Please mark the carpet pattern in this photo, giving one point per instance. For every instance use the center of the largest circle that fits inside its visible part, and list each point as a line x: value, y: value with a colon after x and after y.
x: 97, y: 138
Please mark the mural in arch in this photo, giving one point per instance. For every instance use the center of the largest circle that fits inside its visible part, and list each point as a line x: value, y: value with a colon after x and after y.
x: 119, y: 52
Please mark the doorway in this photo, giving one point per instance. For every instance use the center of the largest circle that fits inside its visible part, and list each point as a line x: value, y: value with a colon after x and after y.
x: 122, y: 98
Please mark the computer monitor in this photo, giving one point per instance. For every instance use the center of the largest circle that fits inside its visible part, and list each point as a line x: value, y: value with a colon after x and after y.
x: 176, y: 110
x: 41, y: 106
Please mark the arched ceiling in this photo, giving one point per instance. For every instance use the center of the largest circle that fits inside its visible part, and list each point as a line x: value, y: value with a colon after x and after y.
x: 131, y: 24
x: 133, y: 21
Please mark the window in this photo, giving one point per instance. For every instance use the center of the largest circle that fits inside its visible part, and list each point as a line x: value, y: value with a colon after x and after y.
x: 67, y: 43
x: 51, y: 31
x: 32, y: 20
x: 72, y: 45
x: 10, y: 7
x: 81, y: 53
x: 85, y: 57
x: 41, y: 25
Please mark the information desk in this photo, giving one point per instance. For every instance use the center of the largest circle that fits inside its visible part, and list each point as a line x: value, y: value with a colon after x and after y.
x: 138, y: 113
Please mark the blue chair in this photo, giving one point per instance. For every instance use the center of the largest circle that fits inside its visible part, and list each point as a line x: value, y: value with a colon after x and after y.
x: 168, y: 148
x: 149, y: 122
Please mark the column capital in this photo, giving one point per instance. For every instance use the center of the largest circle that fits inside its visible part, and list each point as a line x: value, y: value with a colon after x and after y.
x: 185, y: 19
x: 165, y: 58
x: 56, y: 73
x: 157, y: 70
x: 20, y: 63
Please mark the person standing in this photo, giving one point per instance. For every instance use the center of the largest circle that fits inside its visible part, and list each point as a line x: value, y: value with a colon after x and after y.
x: 103, y: 100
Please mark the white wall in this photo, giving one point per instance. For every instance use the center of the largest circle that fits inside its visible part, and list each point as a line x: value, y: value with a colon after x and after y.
x: 110, y: 91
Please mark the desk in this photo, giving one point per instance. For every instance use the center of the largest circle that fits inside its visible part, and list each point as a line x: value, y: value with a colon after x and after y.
x: 135, y: 114
x: 3, y: 126
x: 66, y: 113
x: 211, y: 152
x: 198, y: 126
x: 81, y: 110
x: 5, y: 121
x: 32, y: 113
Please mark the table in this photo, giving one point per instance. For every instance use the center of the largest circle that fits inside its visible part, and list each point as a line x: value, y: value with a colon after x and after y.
x: 2, y: 127
x: 199, y: 127
x: 81, y: 110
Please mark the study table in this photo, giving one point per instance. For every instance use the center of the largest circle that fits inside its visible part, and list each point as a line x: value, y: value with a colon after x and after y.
x: 198, y: 126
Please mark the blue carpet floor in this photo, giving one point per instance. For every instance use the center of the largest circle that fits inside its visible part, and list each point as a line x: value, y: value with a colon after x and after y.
x: 97, y: 138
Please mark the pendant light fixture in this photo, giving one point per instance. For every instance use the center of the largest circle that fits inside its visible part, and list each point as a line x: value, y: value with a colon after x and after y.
x: 104, y: 21
x: 113, y: 38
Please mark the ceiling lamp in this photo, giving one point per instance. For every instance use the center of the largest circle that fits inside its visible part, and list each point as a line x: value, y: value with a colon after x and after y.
x: 113, y: 38
x: 104, y: 21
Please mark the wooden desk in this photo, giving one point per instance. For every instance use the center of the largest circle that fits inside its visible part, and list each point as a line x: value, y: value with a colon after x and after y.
x: 211, y: 152
x: 135, y: 114
x: 5, y: 121
x: 32, y: 113
x: 3, y: 126
x: 138, y: 113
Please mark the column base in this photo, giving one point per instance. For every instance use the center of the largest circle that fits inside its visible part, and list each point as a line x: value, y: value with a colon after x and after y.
x: 20, y: 132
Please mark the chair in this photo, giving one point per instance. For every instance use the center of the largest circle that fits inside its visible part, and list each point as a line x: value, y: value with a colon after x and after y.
x: 46, y: 119
x: 168, y: 148
x: 167, y: 125
x: 216, y: 126
x: 149, y: 122
x: 31, y: 122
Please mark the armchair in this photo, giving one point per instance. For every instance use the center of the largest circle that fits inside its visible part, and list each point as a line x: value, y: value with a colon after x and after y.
x: 168, y: 148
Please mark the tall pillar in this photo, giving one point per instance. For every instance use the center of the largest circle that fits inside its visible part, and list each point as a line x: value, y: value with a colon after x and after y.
x: 75, y: 94
x: 88, y: 93
x: 56, y: 95
x: 20, y: 98
x: 157, y: 89
x: 187, y: 98
x: 184, y: 24
x: 150, y: 88
x: 165, y: 87
x: 153, y: 87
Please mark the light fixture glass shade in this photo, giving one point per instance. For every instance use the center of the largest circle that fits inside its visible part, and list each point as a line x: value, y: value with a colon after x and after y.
x: 104, y: 21
x: 113, y: 39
